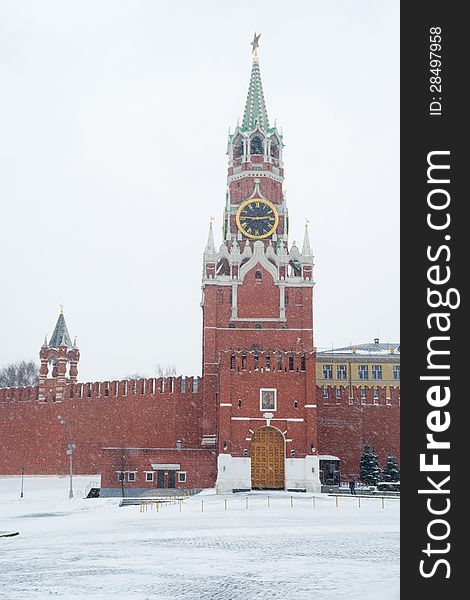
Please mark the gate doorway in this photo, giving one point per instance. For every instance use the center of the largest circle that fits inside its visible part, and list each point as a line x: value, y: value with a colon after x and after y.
x: 267, y: 459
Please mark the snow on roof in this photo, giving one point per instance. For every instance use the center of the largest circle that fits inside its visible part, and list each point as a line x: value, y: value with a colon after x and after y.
x: 375, y: 347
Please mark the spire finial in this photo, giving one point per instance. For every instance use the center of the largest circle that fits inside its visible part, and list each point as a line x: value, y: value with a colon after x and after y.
x: 306, y: 250
x: 61, y: 309
x: 210, y: 246
x: 255, y: 44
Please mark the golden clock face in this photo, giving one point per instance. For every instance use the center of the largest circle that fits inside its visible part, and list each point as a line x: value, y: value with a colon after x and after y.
x: 257, y: 218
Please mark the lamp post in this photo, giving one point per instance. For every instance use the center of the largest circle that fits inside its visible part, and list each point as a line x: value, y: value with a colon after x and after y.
x: 22, y: 478
x: 70, y: 448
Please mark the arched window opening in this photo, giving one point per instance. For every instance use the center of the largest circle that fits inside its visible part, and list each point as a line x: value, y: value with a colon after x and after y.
x: 258, y: 276
x: 274, y: 150
x: 238, y: 148
x: 256, y: 145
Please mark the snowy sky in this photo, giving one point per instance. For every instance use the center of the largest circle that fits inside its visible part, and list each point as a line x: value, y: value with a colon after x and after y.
x: 113, y: 129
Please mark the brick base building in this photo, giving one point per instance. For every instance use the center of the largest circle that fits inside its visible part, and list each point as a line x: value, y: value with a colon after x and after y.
x: 266, y: 414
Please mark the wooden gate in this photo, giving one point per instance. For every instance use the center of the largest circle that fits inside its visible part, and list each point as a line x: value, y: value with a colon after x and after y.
x: 267, y: 459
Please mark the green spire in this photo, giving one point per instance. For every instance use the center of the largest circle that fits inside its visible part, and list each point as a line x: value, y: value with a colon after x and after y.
x: 60, y: 335
x: 255, y: 107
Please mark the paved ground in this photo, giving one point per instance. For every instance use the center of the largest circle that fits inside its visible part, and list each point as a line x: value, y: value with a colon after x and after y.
x: 95, y: 550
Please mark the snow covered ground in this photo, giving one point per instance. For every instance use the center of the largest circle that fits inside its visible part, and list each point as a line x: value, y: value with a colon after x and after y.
x: 95, y: 550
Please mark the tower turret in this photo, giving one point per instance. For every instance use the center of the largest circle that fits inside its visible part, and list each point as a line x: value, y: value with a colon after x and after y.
x: 59, y: 360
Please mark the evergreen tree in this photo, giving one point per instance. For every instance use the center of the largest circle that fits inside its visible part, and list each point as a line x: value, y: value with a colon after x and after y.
x: 391, y: 471
x: 369, y: 470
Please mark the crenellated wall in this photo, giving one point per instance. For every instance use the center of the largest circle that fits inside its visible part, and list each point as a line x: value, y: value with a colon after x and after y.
x: 155, y: 412
x: 345, y: 424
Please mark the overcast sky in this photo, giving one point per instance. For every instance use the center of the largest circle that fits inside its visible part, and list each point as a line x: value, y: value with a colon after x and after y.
x: 113, y: 129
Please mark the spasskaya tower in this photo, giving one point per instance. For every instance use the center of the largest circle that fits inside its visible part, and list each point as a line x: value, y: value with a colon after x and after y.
x: 257, y: 294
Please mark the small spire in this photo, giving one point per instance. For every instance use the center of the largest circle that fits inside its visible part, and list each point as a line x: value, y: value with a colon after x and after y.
x: 306, y: 250
x: 45, y: 341
x: 61, y: 309
x: 75, y: 342
x: 210, y: 246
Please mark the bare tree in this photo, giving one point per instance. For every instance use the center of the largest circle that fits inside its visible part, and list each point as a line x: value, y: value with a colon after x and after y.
x: 165, y: 371
x: 19, y: 374
x: 135, y: 376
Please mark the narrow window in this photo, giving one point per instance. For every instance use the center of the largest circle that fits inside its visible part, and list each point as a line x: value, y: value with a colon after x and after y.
x: 258, y: 276
x: 131, y: 476
x: 326, y: 393
x: 302, y: 362
x: 195, y: 385
x: 291, y: 362
x: 279, y: 362
x: 338, y: 393
x: 255, y: 361
x: 327, y: 372
x: 183, y: 385
x: 296, y: 404
x: 243, y: 362
x: 106, y: 389
x: 363, y: 396
x: 182, y: 477
x: 396, y: 372
x: 376, y: 395
x: 341, y: 372
x: 149, y: 476
x: 232, y: 362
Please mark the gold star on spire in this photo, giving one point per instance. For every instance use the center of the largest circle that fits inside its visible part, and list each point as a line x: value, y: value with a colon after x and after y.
x: 255, y: 44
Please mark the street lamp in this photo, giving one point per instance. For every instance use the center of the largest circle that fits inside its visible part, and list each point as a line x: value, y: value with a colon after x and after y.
x: 70, y: 448
x: 22, y: 479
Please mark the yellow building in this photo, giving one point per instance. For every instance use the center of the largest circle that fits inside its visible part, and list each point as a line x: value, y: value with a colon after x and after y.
x: 364, y: 370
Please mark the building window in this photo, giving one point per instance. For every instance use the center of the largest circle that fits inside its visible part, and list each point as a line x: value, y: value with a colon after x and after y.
x: 363, y: 371
x: 338, y: 393
x: 363, y: 396
x: 149, y: 476
x: 376, y: 372
x: 268, y: 399
x: 388, y: 401
x: 376, y: 395
x: 182, y: 477
x: 131, y: 476
x: 326, y: 394
x: 327, y: 372
x: 179, y: 444
x: 120, y: 476
x: 396, y: 371
x: 258, y: 275
x: 341, y: 372
x: 268, y: 362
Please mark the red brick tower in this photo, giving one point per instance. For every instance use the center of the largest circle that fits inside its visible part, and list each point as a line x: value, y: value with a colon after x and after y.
x: 258, y: 354
x: 59, y: 360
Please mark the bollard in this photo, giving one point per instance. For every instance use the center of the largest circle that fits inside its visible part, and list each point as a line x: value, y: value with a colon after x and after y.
x: 359, y: 501
x: 158, y: 506
x: 140, y: 507
x: 337, y: 501
x: 202, y: 505
x: 246, y: 502
x: 181, y: 503
x: 225, y: 504
x: 291, y: 501
x: 146, y: 505
x: 383, y: 502
x: 268, y: 501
